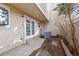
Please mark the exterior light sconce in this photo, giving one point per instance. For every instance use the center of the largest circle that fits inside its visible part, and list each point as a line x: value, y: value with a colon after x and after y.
x: 22, y: 16
x: 39, y: 25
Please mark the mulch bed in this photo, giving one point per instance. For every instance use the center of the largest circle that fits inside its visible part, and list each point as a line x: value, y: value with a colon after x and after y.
x: 52, y: 49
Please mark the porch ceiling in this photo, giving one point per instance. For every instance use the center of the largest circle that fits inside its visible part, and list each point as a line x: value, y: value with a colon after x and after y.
x: 30, y: 9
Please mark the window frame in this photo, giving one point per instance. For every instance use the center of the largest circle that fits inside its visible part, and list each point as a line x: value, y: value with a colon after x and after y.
x: 28, y: 29
x: 7, y: 20
x: 36, y: 27
x: 7, y: 8
x: 33, y: 27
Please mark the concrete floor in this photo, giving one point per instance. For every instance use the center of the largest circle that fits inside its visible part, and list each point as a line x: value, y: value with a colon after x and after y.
x: 44, y: 53
x: 25, y: 49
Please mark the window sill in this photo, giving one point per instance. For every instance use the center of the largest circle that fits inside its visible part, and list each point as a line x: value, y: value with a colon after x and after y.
x: 31, y: 36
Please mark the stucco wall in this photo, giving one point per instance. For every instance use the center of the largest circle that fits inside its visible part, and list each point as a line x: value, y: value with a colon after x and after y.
x: 10, y: 35
x: 50, y: 26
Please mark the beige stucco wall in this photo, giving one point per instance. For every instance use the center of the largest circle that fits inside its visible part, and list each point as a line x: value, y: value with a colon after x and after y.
x: 50, y: 26
x: 10, y: 35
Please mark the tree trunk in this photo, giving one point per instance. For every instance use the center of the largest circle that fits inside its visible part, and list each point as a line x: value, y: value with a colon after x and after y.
x: 73, y: 35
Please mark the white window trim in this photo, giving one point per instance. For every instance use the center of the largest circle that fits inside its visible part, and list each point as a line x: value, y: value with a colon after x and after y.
x: 33, y: 27
x: 7, y: 8
x: 36, y: 27
x: 29, y: 29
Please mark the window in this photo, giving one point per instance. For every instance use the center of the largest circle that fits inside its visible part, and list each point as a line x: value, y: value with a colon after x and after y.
x: 33, y: 28
x: 30, y: 27
x: 4, y: 16
x: 27, y: 27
